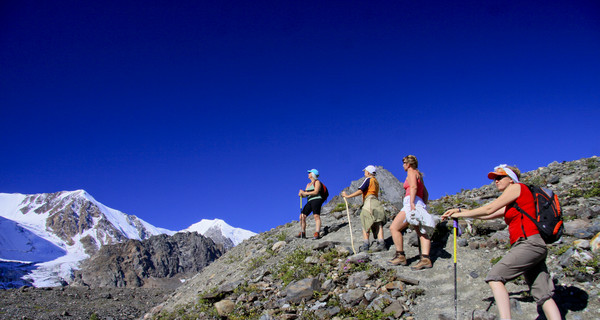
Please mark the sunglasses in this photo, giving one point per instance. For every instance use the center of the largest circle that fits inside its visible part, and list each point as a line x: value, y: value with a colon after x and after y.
x: 498, y: 178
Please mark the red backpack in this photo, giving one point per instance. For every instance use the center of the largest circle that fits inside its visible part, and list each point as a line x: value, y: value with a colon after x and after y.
x: 324, y: 193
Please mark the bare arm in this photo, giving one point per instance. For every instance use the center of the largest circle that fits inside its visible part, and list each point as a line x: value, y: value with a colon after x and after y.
x: 425, y: 192
x: 497, y: 214
x: 354, y: 194
x: 491, y: 210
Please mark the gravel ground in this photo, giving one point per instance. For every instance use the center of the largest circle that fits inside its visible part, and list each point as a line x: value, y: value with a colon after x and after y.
x: 78, y: 303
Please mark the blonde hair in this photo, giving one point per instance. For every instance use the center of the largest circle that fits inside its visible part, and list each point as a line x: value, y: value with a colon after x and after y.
x: 516, y: 171
x: 413, y: 163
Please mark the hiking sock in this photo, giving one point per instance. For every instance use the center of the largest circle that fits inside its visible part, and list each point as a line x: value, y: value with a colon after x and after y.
x: 400, y: 253
x: 424, y: 256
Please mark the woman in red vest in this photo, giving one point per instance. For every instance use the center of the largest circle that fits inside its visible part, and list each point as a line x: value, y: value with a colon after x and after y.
x: 527, y: 255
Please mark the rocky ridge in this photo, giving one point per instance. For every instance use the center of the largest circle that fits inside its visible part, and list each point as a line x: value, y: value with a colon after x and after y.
x: 72, y: 213
x: 277, y: 276
x: 161, y: 261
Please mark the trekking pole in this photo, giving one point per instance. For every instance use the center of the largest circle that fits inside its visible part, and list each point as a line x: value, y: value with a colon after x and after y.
x: 455, y: 290
x: 350, y: 224
x: 300, y: 204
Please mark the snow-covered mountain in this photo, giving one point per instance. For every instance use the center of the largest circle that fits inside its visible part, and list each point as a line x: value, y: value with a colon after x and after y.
x: 44, y: 237
x: 218, y: 228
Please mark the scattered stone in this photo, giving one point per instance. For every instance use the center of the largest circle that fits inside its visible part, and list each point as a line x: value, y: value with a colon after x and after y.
x: 224, y: 307
x: 311, y: 260
x: 303, y: 289
x: 278, y: 245
x: 395, y: 308
x: 483, y: 315
x: 360, y: 257
x: 358, y: 279
x: 575, y: 226
x: 581, y: 244
x: 353, y: 296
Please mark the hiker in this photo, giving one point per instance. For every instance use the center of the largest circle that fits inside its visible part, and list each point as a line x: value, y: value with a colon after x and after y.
x: 527, y: 255
x: 414, y: 203
x: 313, y: 204
x: 372, y: 215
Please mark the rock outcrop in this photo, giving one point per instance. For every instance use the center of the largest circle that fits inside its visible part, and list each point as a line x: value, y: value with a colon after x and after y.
x: 160, y: 261
x: 390, y: 189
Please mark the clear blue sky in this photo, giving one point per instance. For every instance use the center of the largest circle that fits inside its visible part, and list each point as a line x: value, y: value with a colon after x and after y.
x: 175, y: 111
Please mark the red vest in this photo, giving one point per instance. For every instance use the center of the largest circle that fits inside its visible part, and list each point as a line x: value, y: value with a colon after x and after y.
x: 518, y: 222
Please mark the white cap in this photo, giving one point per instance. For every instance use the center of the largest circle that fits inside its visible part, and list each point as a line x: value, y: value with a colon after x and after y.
x: 370, y: 169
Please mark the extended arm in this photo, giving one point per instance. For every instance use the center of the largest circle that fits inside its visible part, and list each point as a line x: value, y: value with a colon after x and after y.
x: 354, y: 194
x: 491, y: 210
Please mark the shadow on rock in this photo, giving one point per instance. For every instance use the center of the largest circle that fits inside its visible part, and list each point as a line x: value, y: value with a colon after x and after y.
x: 570, y: 299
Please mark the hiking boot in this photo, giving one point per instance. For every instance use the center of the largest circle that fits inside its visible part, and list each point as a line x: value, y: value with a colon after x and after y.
x: 301, y: 235
x: 379, y: 246
x: 363, y: 247
x: 398, y: 260
x: 424, y: 263
x: 316, y: 236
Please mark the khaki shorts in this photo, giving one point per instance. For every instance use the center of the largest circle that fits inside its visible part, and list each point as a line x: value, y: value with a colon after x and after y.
x: 372, y: 213
x: 526, y: 257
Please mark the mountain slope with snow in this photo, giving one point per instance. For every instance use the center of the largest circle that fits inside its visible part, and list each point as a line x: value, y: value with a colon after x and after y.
x: 48, y: 235
x: 236, y: 235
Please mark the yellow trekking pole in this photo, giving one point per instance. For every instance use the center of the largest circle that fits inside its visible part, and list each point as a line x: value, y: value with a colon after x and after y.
x: 455, y: 290
x: 349, y: 224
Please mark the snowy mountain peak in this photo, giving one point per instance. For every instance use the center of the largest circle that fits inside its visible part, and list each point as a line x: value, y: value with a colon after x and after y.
x: 236, y: 235
x: 58, y: 230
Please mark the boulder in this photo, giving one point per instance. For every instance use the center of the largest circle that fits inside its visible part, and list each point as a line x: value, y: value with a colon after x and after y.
x: 224, y: 307
x: 295, y: 292
x: 575, y: 226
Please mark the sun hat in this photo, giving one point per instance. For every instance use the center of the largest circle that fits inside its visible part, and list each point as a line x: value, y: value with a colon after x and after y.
x: 503, y: 170
x: 315, y: 171
x: 370, y: 169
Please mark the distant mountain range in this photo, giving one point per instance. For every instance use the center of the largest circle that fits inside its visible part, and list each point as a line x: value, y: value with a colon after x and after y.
x: 44, y: 237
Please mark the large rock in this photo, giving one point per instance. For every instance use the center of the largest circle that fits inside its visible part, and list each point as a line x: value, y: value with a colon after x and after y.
x: 295, y: 292
x: 575, y: 226
x: 391, y: 191
x: 158, y: 260
x: 224, y: 307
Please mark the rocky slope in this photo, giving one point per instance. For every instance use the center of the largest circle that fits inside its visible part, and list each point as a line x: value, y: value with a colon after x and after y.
x: 160, y: 261
x: 78, y: 303
x: 277, y: 276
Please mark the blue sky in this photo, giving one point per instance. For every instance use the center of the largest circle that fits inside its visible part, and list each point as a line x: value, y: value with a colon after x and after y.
x: 184, y: 110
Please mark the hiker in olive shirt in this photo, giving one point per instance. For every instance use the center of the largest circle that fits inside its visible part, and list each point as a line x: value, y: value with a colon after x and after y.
x: 313, y: 204
x: 372, y: 215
